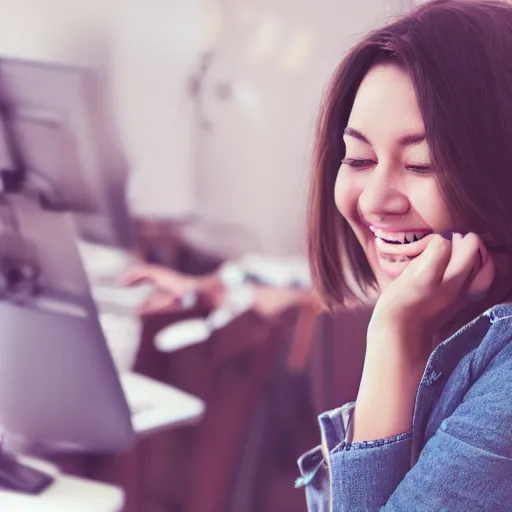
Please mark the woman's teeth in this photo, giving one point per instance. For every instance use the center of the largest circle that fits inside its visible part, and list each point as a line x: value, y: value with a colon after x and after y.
x: 406, y: 237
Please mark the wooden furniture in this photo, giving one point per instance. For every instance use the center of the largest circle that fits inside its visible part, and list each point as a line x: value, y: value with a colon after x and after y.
x: 157, y: 409
x: 235, y: 372
x: 244, y: 356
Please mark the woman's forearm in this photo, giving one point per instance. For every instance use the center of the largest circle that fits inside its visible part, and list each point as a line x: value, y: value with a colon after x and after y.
x: 387, y: 393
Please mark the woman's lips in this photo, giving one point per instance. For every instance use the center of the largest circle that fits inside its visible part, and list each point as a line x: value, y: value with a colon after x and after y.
x: 394, y: 258
x: 410, y: 250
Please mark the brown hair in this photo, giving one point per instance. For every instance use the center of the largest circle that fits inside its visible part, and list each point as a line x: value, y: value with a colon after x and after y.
x: 458, y: 54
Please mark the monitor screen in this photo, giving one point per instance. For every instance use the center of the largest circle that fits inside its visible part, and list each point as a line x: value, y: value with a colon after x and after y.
x: 58, y: 129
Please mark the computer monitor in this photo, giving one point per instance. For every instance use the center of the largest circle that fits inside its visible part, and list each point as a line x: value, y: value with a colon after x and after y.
x: 62, y: 133
x: 59, y: 389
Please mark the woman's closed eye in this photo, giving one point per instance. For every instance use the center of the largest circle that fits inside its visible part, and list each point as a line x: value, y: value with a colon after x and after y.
x: 420, y: 168
x: 358, y: 163
x: 364, y: 163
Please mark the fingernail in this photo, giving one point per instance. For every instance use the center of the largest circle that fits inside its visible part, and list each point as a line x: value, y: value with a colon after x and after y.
x: 448, y: 235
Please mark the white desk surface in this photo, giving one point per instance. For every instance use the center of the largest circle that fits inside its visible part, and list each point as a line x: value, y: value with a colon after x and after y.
x: 158, y: 406
x: 155, y: 406
x: 103, y: 262
x: 65, y: 494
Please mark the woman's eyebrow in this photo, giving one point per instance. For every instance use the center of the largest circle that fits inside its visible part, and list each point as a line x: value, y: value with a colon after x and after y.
x: 352, y: 132
x: 408, y: 139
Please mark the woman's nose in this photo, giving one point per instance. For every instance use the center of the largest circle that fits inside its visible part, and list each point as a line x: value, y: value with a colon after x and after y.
x: 382, y: 195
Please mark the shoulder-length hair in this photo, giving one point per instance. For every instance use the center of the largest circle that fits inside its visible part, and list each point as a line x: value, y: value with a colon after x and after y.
x: 458, y: 54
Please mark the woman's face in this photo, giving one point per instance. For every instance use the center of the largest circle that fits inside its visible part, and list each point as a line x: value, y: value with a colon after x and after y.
x: 385, y: 187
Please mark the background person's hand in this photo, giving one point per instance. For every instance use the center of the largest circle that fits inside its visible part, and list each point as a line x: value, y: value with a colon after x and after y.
x: 160, y: 277
x: 171, y: 287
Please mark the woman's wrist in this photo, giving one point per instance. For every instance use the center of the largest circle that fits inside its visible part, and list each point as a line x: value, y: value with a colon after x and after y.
x: 391, y: 375
x: 385, y: 406
x: 408, y: 342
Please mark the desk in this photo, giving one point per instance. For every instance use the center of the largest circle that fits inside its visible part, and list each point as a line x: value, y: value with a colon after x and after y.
x: 66, y: 494
x: 158, y: 406
x: 155, y: 407
x: 103, y: 262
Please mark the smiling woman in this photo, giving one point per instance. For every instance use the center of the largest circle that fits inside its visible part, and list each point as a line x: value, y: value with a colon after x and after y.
x: 410, y: 200
x: 424, y: 102
x: 386, y: 188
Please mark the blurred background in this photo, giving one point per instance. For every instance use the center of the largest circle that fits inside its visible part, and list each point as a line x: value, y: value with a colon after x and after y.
x: 195, y: 257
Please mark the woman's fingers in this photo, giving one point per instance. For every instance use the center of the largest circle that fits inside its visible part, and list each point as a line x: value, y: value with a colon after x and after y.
x: 464, y: 265
x: 438, y: 282
x: 484, y: 275
x: 465, y: 262
x: 471, y: 269
x: 427, y: 269
x: 452, y: 266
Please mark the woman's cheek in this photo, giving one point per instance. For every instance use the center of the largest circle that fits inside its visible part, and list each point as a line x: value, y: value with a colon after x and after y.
x: 345, y: 194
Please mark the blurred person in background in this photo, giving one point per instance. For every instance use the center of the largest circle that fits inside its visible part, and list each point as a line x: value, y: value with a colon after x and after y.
x: 276, y: 283
x: 411, y: 195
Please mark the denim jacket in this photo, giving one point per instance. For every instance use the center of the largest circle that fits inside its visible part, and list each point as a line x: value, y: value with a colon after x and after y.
x: 458, y: 454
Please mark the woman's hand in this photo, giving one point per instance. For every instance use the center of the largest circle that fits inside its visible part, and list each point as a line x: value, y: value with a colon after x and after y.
x: 430, y: 292
x: 435, y: 286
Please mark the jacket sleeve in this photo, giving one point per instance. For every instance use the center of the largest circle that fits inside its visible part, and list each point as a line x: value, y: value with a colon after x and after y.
x: 335, y: 425
x: 466, y: 465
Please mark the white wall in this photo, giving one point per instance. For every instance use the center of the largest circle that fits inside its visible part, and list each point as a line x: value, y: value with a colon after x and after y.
x: 52, y: 30
x: 152, y: 48
x: 277, y: 56
x: 156, y: 48
x: 259, y: 149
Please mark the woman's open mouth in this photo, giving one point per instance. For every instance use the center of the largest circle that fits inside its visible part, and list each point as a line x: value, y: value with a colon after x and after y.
x: 395, y: 249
